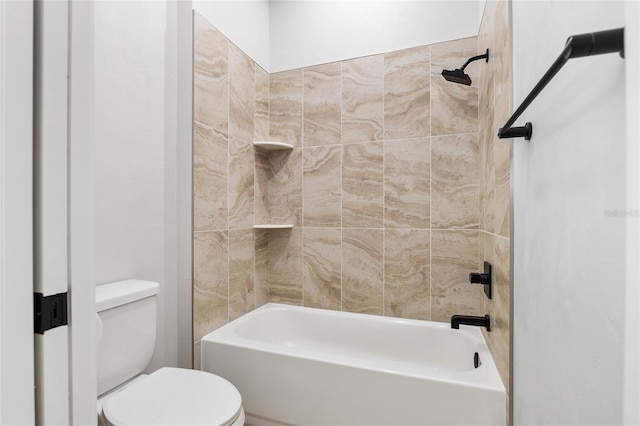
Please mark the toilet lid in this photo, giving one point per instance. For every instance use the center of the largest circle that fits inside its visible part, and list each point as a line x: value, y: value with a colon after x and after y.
x: 175, y: 396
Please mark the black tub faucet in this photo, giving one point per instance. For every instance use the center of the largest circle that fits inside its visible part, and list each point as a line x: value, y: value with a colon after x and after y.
x: 484, y: 321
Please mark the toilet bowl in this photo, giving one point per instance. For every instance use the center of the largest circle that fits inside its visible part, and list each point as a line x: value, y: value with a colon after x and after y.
x: 168, y: 396
x: 174, y: 396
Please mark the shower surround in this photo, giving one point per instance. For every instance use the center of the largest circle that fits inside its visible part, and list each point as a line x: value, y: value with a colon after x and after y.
x: 494, y: 85
x: 382, y: 186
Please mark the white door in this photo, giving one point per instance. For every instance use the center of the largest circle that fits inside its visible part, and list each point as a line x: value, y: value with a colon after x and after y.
x: 16, y: 248
x: 82, y: 293
x: 46, y: 211
x: 50, y: 203
x: 63, y: 210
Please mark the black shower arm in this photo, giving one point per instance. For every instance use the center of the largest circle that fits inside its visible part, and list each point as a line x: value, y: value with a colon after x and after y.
x: 577, y: 46
x: 475, y: 58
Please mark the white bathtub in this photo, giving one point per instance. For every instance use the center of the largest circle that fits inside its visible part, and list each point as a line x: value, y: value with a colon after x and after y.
x: 304, y: 366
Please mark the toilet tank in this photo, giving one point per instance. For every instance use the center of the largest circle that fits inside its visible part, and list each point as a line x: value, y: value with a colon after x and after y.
x: 127, y: 311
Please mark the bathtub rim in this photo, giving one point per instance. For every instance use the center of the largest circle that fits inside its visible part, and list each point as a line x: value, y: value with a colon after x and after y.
x: 484, y: 377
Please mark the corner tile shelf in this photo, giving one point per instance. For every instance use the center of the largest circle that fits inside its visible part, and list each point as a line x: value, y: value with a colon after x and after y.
x: 272, y: 145
x: 271, y: 226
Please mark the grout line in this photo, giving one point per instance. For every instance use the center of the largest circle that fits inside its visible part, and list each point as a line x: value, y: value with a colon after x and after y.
x: 398, y: 228
x: 430, y: 187
x: 481, y: 180
x: 228, y: 179
x: 255, y: 174
x: 341, y: 190
x: 202, y: 231
x: 384, y: 149
x: 494, y: 234
x: 372, y: 228
x: 301, y: 218
x: 266, y: 204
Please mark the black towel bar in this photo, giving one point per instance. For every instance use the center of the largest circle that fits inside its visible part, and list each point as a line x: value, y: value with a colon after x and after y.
x: 577, y: 46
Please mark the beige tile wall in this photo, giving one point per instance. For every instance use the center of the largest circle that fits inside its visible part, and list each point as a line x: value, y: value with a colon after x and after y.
x: 386, y: 209
x: 383, y: 185
x: 494, y: 110
x: 231, y: 110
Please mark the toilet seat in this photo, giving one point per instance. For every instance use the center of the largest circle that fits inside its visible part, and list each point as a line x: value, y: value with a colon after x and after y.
x: 175, y: 396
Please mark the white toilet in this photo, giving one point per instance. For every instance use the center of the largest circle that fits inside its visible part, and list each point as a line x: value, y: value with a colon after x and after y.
x: 168, y: 396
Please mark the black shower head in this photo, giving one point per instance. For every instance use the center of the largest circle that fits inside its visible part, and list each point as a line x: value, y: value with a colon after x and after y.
x: 457, y: 76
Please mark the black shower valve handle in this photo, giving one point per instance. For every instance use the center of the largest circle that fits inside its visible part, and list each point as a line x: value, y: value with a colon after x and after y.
x: 479, y: 278
x: 483, y: 278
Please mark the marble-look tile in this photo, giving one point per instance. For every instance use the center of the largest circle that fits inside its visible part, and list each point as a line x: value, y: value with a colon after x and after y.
x: 502, y: 46
x: 241, y: 177
x: 454, y: 107
x: 454, y: 254
x: 241, y: 272
x: 321, y: 168
x: 322, y: 104
x: 502, y: 191
x: 211, y: 282
x: 486, y: 71
x: 210, y: 178
x: 486, y: 130
x: 285, y: 266
x: 485, y: 254
x: 261, y: 275
x: 494, y: 110
x: 490, y: 9
x: 407, y: 193
x: 362, y: 185
x: 210, y: 75
x: 499, y: 33
x: 197, y: 357
x: 285, y: 187
x: 487, y: 173
x: 407, y: 291
x: 362, y: 266
x: 497, y: 251
x: 261, y: 186
x: 487, y: 176
x: 242, y: 88
x: 488, y: 18
x: 285, y: 108
x: 502, y: 112
x: 261, y: 106
x: 501, y: 312
x: 454, y: 182
x: 322, y: 267
x: 362, y: 99
x: 407, y: 93
x: 366, y: 184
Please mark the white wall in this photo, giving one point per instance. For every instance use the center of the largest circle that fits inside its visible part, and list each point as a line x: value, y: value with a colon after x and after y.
x: 632, y: 297
x: 245, y: 22
x: 135, y: 160
x: 569, y: 247
x: 306, y: 33
x: 284, y: 34
x: 184, y: 158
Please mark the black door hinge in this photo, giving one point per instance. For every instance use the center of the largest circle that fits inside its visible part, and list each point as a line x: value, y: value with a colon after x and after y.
x: 49, y: 312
